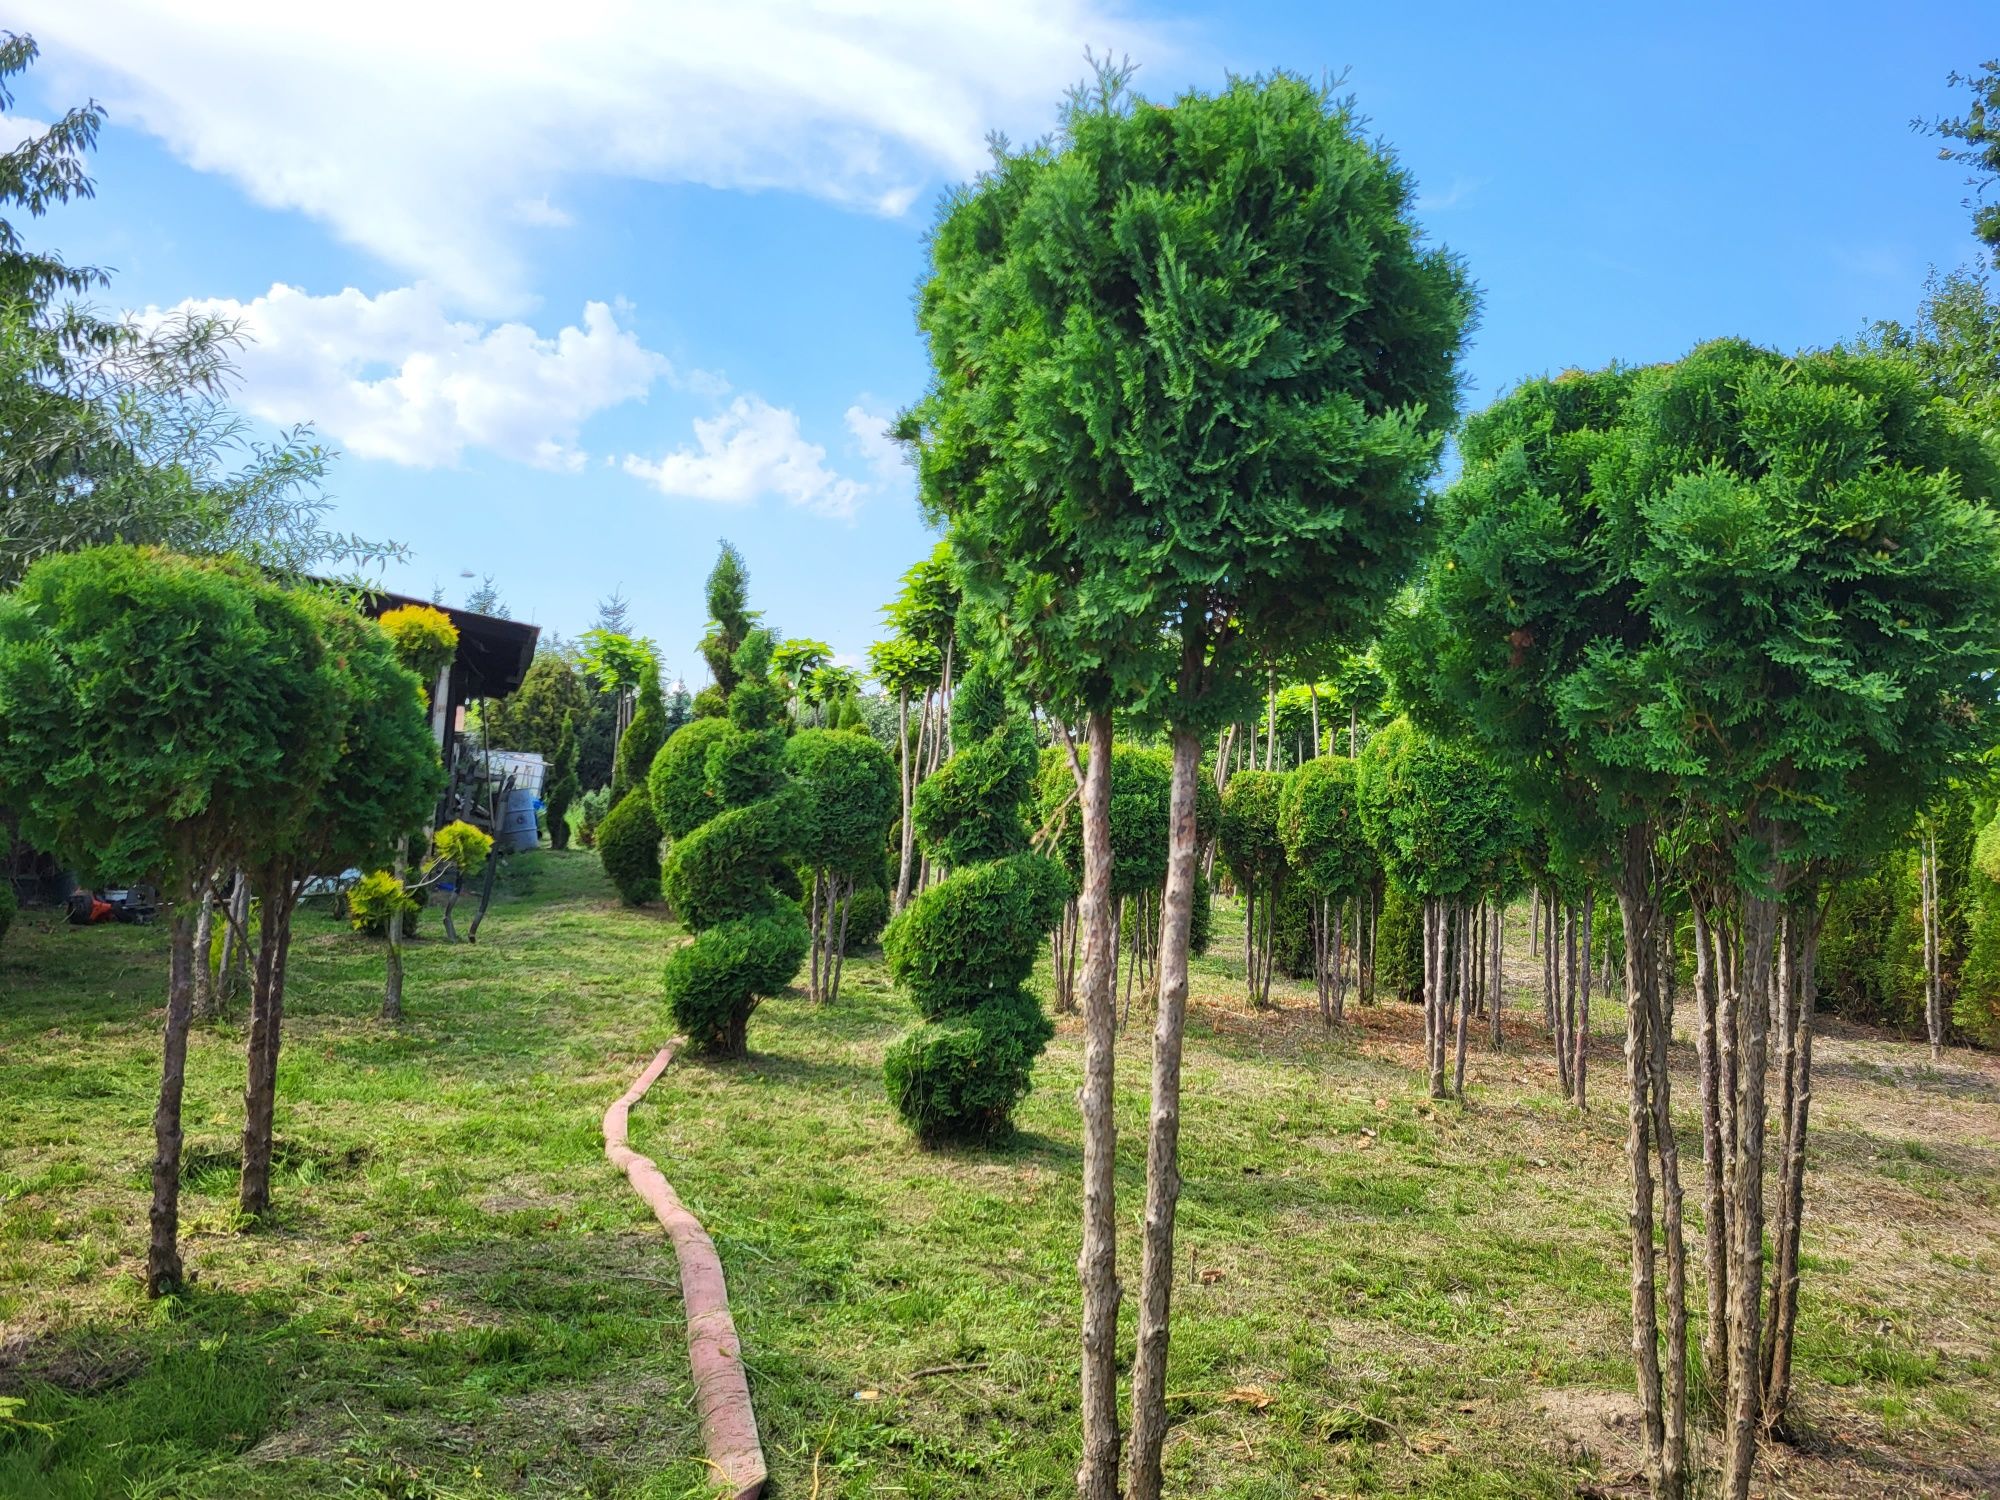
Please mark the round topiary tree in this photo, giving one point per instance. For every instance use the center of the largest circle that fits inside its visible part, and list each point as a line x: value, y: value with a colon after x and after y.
x: 848, y: 807
x: 964, y: 948
x: 1319, y: 824
x: 160, y: 715
x: 678, y: 779
x: 748, y: 938
x: 1444, y: 824
x: 628, y: 841
x: 1255, y: 854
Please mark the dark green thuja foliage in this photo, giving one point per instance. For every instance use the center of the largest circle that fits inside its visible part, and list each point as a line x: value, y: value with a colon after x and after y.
x: 1255, y: 853
x: 748, y: 937
x: 730, y: 619
x: 9, y: 905
x: 628, y: 841
x: 562, y: 787
x: 964, y: 948
x: 1328, y: 859
x: 678, y: 781
x: 643, y: 736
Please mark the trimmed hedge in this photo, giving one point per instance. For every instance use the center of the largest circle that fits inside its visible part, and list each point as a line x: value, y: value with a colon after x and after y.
x: 628, y: 841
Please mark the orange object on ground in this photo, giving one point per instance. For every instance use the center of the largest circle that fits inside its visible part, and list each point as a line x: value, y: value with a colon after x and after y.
x: 721, y: 1390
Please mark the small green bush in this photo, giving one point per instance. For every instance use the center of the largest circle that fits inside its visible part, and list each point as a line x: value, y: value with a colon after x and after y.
x: 591, y: 809
x: 1399, y: 935
x: 628, y: 841
x: 961, y: 1078
x: 867, y: 915
x: 1201, y: 921
x: 373, y: 899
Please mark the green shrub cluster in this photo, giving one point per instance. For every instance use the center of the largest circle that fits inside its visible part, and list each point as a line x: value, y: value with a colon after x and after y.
x: 628, y: 841
x: 963, y: 949
x: 723, y: 870
x: 591, y: 810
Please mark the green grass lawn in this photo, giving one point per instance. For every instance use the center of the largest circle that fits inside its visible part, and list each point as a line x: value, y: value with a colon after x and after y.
x: 461, y: 1297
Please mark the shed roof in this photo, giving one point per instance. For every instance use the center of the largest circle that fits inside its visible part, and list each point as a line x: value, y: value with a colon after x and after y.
x: 493, y: 653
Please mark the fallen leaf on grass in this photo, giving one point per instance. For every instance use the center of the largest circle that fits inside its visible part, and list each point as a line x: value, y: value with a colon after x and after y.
x: 1253, y: 1396
x: 1209, y: 1276
x: 868, y: 1395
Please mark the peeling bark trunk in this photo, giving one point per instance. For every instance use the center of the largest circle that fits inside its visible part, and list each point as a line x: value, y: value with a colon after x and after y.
x: 1097, y: 1265
x: 1163, y: 1182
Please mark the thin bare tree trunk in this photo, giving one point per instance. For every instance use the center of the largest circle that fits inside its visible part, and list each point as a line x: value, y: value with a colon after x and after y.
x: 1799, y: 947
x: 1580, y: 1068
x: 1715, y: 1221
x: 206, y: 985
x: 1494, y: 982
x: 1748, y: 1018
x: 392, y: 986
x: 164, y: 1272
x: 1097, y: 1265
x: 1467, y: 964
x: 1649, y: 1129
x: 233, y: 970
x: 267, y: 1012
x: 1934, y: 1018
x: 1163, y: 1181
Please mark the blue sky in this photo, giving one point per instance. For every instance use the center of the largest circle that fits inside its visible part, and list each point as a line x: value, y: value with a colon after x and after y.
x: 578, y: 290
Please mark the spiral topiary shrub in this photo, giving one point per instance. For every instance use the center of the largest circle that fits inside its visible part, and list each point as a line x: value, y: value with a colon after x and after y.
x: 749, y: 937
x: 964, y: 948
x: 678, y: 780
x: 628, y: 841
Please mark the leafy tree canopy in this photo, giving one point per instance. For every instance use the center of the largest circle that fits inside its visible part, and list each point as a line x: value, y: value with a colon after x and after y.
x: 1193, y: 365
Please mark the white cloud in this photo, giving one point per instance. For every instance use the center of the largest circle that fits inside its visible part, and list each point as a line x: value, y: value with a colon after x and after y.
x: 18, y: 130
x: 392, y: 377
x: 418, y: 131
x: 750, y: 450
x: 884, y: 456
